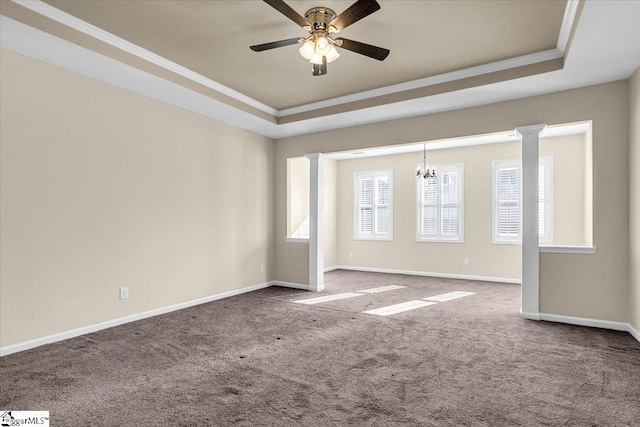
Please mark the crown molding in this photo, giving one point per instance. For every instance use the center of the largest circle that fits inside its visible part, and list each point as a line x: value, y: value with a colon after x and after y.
x: 42, y: 46
x: 603, y: 49
x: 71, y: 21
x: 492, y: 67
x: 568, y: 19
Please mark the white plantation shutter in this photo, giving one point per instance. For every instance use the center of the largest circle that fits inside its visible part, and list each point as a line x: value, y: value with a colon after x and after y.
x: 429, y: 206
x: 365, y: 205
x: 449, y: 207
x: 439, y: 205
x: 382, y: 205
x: 541, y: 200
x: 373, y: 205
x: 508, y: 200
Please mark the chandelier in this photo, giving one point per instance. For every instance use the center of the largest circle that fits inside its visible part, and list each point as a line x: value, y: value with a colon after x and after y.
x: 423, y: 170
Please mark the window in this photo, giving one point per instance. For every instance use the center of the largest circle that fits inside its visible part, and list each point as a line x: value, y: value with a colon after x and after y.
x: 373, y: 205
x: 298, y: 172
x: 439, y: 205
x: 507, y: 200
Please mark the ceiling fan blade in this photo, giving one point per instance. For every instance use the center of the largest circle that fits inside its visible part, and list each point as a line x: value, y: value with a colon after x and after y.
x: 355, y: 12
x: 273, y: 45
x: 287, y: 11
x: 371, y: 51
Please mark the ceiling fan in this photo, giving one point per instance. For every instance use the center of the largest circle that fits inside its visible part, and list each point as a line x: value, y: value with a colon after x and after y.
x: 322, y: 23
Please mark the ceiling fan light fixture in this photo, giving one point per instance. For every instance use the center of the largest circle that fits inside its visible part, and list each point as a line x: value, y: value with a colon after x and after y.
x: 322, y: 23
x: 332, y: 55
x: 314, y: 49
x: 317, y: 59
x: 307, y: 49
x: 322, y: 46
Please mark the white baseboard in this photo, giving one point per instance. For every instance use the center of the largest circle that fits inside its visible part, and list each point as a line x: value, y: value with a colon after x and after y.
x: 429, y: 274
x: 634, y: 332
x: 290, y: 285
x: 27, y: 345
x: 583, y: 321
x: 328, y: 269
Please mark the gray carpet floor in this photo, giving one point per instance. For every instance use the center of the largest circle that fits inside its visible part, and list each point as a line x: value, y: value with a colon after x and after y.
x: 261, y: 359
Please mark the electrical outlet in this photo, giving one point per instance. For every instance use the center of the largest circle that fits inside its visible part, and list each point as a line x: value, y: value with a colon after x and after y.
x: 261, y: 268
x: 466, y: 261
x: 351, y: 255
x: 124, y: 293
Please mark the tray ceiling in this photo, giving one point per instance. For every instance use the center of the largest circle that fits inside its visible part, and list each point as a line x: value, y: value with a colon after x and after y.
x: 445, y: 55
x: 426, y: 38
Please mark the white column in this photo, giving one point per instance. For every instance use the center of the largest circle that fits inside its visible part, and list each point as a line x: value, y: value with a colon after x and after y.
x: 316, y: 222
x: 530, y: 308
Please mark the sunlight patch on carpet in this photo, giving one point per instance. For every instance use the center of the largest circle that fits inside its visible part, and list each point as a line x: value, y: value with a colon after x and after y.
x: 449, y: 296
x: 399, y: 308
x: 327, y: 298
x: 381, y: 289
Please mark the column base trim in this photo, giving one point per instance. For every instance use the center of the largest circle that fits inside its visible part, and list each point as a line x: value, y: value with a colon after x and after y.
x: 291, y: 285
x: 530, y: 316
x: 584, y: 321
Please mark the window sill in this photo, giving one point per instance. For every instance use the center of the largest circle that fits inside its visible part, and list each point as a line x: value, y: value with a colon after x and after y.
x: 419, y: 240
x: 589, y: 250
x: 374, y: 239
x: 507, y: 242
x: 296, y: 240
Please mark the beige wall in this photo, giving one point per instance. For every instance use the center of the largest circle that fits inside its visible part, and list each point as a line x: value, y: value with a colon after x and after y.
x: 294, y: 267
x: 489, y: 260
x: 102, y: 188
x: 570, y: 205
x: 591, y: 286
x: 634, y: 203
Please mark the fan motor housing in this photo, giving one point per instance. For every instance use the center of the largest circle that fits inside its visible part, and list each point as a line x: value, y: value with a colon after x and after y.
x: 320, y: 17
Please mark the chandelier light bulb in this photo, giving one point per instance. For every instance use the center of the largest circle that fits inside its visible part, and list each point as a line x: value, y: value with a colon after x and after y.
x: 322, y: 46
x: 316, y: 59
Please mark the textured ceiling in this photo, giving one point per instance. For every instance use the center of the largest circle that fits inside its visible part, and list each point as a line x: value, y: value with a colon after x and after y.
x: 426, y: 38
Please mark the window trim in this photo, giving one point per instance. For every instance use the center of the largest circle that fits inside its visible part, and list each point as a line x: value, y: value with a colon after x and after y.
x: 547, y: 162
x: 356, y: 217
x: 440, y: 238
